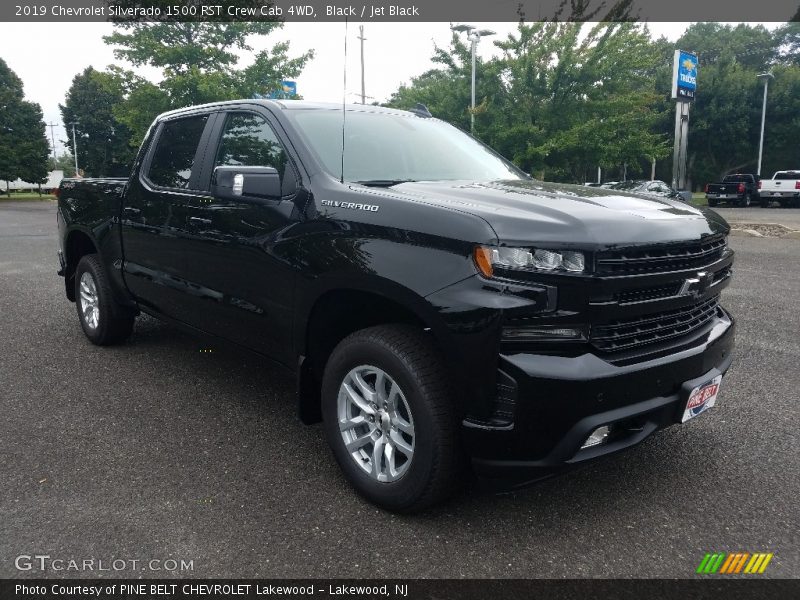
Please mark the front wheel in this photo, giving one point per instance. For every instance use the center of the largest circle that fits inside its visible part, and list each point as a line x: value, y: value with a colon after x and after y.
x: 102, y: 319
x: 390, y: 419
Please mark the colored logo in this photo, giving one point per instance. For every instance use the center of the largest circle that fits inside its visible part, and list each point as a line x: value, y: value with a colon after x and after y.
x: 734, y: 563
x: 698, y: 401
x: 687, y: 73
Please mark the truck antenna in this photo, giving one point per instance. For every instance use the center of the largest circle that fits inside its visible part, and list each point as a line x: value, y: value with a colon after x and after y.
x: 344, y: 96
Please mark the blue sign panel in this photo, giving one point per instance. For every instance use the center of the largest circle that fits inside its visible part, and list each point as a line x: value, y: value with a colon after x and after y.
x: 684, y: 75
x: 288, y: 90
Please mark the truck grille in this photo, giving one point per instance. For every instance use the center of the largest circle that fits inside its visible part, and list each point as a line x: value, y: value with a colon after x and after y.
x: 646, y: 294
x: 649, y: 329
x: 662, y: 258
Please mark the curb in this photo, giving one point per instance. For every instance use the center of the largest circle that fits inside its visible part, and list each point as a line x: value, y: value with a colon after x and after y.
x: 771, y: 230
x: 745, y: 233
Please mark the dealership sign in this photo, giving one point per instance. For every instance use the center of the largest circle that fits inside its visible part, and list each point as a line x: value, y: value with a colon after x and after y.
x: 684, y: 76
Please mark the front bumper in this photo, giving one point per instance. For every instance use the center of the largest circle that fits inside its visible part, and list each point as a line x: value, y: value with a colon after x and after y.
x: 559, y: 401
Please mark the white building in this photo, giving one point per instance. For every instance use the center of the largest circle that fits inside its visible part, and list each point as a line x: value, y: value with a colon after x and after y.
x: 53, y: 181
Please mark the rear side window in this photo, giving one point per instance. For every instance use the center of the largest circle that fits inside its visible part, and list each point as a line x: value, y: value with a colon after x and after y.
x: 173, y: 158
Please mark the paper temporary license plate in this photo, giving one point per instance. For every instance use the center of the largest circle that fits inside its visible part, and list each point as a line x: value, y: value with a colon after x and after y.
x: 701, y: 399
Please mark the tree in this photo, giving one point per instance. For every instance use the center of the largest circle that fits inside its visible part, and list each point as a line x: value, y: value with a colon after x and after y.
x: 10, y: 95
x: 23, y: 142
x: 783, y: 121
x: 446, y: 90
x: 33, y: 151
x: 90, y: 105
x: 563, y: 99
x: 66, y: 163
x: 199, y: 65
x: 726, y: 115
x: 789, y: 39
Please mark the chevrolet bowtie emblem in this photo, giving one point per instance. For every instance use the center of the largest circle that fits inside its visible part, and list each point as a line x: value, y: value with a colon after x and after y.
x: 696, y: 285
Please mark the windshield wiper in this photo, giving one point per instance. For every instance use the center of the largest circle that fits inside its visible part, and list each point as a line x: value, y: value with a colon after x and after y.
x: 384, y: 182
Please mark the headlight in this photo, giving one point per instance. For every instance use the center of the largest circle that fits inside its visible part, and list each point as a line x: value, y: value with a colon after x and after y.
x: 487, y: 258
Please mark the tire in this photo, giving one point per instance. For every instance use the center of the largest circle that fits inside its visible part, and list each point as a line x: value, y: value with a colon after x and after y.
x: 421, y: 403
x: 746, y: 200
x: 712, y: 202
x: 103, y: 320
x: 764, y: 202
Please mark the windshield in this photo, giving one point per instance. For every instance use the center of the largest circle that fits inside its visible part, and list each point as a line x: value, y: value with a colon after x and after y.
x: 382, y: 147
x: 626, y: 185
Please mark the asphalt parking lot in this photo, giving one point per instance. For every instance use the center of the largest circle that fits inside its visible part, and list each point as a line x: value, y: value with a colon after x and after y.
x: 754, y: 214
x: 156, y: 450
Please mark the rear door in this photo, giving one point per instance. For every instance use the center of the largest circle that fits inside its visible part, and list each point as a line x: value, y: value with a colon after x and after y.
x: 156, y: 212
x: 234, y: 256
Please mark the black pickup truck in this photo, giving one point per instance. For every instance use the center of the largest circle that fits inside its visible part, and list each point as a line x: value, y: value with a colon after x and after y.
x: 443, y: 313
x: 739, y: 188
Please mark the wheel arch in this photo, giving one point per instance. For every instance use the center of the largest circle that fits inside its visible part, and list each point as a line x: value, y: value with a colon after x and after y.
x: 77, y: 244
x: 335, y: 313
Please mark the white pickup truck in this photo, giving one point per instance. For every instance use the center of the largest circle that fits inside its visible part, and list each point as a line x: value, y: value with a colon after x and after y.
x: 783, y: 187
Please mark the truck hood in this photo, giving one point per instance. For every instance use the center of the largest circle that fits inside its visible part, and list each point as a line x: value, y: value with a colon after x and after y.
x: 526, y: 211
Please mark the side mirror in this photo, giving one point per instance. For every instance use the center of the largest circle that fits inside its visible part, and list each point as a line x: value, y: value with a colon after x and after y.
x: 246, y: 182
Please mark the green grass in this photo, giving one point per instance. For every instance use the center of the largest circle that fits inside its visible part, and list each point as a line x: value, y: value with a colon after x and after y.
x: 699, y: 199
x: 26, y: 196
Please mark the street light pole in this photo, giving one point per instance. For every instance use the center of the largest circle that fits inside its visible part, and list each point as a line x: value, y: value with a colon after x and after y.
x: 474, y: 36
x: 75, y: 148
x: 765, y: 77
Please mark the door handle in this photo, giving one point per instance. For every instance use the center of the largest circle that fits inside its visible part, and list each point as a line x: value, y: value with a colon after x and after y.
x: 199, y: 221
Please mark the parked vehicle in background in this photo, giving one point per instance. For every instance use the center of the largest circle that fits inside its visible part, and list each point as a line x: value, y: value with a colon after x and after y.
x: 433, y: 302
x: 649, y: 187
x: 740, y: 188
x: 783, y: 187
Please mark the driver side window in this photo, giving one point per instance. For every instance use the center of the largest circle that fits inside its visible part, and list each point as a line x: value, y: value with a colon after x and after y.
x: 249, y: 141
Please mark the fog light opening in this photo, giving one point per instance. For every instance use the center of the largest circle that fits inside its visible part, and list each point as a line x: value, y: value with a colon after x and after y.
x: 598, y: 437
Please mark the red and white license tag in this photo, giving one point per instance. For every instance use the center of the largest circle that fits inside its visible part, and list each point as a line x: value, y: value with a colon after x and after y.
x: 701, y: 399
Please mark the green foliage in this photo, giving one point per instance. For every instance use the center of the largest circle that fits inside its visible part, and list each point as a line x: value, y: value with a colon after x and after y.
x: 782, y: 130
x: 565, y: 97
x: 32, y: 149
x: 199, y: 65
x: 23, y: 143
x: 66, y: 163
x: 104, y: 143
x: 556, y: 102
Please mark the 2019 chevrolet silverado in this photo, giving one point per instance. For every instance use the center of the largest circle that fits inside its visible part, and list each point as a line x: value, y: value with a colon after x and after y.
x: 440, y: 310
x: 740, y: 188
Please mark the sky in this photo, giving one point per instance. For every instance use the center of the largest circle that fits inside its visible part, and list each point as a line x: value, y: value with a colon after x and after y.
x: 46, y: 59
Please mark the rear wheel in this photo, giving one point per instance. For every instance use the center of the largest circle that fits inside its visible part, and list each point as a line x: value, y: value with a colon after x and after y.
x: 764, y: 202
x: 746, y: 200
x: 389, y: 417
x: 712, y: 201
x: 103, y: 320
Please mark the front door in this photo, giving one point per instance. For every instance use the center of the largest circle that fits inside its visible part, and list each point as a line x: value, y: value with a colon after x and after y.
x: 245, y: 289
